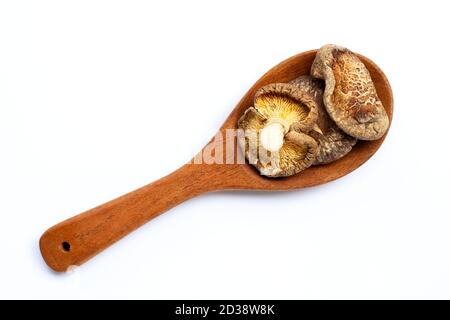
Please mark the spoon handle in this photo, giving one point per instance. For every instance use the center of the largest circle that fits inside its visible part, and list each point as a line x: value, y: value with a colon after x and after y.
x: 74, y: 241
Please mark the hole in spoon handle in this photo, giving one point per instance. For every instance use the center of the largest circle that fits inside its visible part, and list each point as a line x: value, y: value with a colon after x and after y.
x: 74, y: 241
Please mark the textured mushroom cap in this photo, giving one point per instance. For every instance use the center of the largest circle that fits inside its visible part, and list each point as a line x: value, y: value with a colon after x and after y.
x: 350, y: 96
x: 333, y: 142
x: 288, y: 107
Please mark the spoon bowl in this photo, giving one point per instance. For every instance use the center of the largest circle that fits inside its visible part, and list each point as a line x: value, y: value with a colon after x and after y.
x: 74, y: 241
x: 286, y: 71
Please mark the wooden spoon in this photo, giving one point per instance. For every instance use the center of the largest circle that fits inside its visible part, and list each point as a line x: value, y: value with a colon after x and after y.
x: 74, y: 241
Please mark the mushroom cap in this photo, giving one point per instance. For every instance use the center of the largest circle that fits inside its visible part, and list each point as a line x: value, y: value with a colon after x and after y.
x: 350, y: 96
x: 288, y: 104
x: 333, y: 142
x: 289, y: 108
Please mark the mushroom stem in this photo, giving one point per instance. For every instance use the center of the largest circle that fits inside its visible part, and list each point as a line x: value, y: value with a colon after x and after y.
x: 272, y: 136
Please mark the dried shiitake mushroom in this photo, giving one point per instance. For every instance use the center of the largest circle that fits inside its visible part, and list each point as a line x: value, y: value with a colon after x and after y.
x: 333, y: 142
x: 276, y: 130
x: 350, y: 96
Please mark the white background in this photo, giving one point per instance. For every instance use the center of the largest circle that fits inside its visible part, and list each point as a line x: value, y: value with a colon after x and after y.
x: 98, y: 98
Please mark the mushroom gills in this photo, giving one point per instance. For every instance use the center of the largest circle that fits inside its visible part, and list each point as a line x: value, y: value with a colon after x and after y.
x: 272, y: 143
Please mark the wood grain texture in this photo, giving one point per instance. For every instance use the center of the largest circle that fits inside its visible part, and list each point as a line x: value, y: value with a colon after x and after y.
x: 74, y: 241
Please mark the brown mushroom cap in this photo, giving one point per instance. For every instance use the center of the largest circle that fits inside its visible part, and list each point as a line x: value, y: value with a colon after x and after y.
x: 333, y: 142
x: 284, y: 106
x: 350, y: 96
